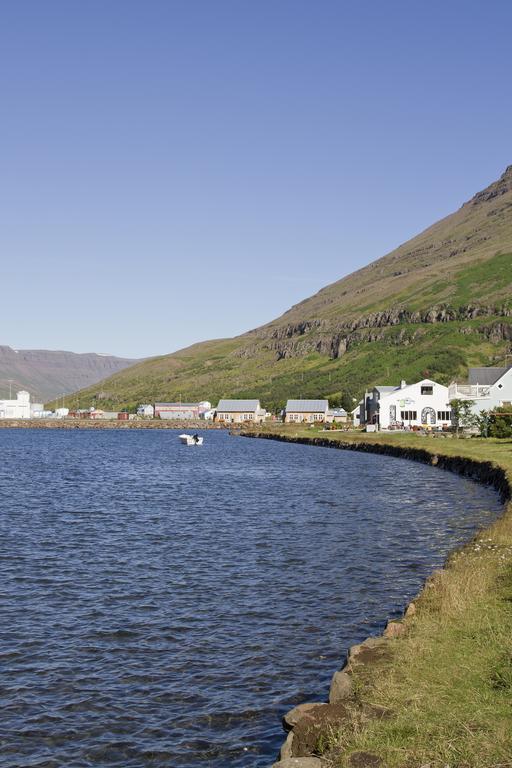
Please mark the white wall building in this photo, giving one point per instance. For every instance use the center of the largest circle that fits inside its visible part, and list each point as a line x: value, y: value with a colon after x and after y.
x: 146, y: 410
x: 488, y: 388
x: 358, y: 414
x: 425, y: 403
x: 16, y: 409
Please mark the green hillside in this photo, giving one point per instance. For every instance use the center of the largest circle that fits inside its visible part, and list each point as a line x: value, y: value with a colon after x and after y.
x: 434, y: 306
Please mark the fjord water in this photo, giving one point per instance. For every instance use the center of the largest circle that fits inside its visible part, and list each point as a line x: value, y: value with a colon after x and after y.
x: 164, y: 605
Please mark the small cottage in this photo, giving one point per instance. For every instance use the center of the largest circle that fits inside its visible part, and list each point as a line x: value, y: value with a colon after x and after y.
x: 240, y: 411
x: 310, y: 411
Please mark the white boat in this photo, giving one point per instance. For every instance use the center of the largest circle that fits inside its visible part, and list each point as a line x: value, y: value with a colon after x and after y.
x: 191, y: 440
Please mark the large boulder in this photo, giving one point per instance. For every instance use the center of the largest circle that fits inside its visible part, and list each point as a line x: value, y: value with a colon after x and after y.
x: 341, y: 687
x: 315, y: 724
x: 292, y: 717
x: 370, y: 652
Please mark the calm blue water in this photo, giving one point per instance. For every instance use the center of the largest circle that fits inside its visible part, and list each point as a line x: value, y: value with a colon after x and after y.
x: 163, y: 605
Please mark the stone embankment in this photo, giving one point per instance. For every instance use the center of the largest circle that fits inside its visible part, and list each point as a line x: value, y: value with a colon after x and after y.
x: 106, y: 424
x: 307, y: 724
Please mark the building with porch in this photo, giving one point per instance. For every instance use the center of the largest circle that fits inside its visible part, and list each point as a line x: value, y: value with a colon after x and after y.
x: 487, y: 388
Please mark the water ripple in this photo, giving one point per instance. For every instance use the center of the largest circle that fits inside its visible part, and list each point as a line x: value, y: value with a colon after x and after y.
x: 163, y: 606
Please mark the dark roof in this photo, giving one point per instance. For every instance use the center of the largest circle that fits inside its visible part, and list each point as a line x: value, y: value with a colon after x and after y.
x: 486, y: 375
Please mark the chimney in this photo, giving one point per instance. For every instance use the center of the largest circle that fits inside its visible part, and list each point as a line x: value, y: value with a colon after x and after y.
x: 403, y: 384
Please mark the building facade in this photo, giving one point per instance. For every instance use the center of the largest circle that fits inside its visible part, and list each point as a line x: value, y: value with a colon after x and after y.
x: 181, y: 411
x: 336, y: 416
x: 240, y: 411
x: 146, y: 410
x: 487, y: 388
x: 423, y: 404
x: 178, y: 411
x: 16, y: 409
x: 310, y: 411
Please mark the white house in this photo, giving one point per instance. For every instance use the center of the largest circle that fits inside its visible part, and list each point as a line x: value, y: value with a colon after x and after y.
x: 239, y: 411
x: 358, y: 414
x: 488, y: 388
x: 146, y: 410
x: 311, y: 411
x: 369, y: 411
x: 335, y: 415
x: 16, y: 409
x: 425, y: 403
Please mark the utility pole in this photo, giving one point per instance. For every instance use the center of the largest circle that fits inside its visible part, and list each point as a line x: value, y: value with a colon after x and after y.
x: 10, y: 388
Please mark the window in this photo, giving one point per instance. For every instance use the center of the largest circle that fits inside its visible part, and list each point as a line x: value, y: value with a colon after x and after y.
x: 409, y: 415
x: 444, y: 415
x: 427, y: 389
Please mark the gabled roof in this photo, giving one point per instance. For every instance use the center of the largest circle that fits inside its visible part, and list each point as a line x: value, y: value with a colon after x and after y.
x: 239, y: 405
x: 410, y: 386
x: 177, y: 405
x: 307, y: 406
x: 486, y: 376
x: 380, y: 388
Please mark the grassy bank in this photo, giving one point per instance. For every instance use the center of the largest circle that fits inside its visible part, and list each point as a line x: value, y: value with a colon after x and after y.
x: 446, y: 685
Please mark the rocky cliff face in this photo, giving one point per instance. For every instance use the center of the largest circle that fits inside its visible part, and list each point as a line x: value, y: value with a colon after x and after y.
x: 47, y: 374
x: 335, y: 339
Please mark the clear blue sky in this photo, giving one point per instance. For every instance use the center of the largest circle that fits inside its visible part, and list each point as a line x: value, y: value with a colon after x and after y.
x: 175, y: 171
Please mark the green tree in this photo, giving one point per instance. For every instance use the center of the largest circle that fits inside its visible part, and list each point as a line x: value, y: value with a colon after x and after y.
x: 462, y: 415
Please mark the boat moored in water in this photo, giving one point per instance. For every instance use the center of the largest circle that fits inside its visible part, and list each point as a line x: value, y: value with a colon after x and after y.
x: 191, y: 439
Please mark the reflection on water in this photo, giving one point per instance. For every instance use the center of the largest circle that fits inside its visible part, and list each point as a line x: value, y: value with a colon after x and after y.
x: 163, y: 605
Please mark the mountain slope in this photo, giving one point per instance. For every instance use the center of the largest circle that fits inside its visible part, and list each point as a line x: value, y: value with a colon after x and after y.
x: 438, y: 303
x: 46, y: 374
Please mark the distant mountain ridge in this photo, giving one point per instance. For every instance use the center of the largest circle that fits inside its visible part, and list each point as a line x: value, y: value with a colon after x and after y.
x: 48, y: 374
x: 435, y: 305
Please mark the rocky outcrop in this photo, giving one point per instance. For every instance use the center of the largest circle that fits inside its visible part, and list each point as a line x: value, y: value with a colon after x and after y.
x: 335, y: 339
x: 495, y: 190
